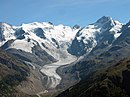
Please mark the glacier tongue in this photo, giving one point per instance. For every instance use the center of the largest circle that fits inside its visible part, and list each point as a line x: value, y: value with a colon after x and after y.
x: 50, y: 70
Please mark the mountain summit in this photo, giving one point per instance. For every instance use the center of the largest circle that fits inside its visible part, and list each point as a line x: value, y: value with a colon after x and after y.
x: 105, y: 30
x: 104, y: 19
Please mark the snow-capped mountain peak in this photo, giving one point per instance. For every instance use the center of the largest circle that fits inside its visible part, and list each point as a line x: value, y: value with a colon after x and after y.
x: 87, y: 38
x: 104, y: 19
x: 107, y: 23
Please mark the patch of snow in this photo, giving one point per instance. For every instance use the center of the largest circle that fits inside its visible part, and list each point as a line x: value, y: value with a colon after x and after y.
x: 116, y: 35
x: 29, y: 63
x: 116, y: 29
x: 40, y: 93
x: 23, y: 45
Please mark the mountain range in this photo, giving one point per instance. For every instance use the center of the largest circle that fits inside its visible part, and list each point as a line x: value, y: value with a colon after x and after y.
x: 45, y: 60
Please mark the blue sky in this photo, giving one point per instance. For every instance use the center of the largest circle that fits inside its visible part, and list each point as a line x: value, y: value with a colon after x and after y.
x: 67, y: 12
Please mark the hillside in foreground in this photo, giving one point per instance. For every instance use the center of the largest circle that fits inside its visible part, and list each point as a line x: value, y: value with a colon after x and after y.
x: 111, y: 82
